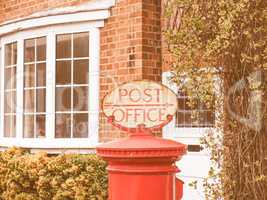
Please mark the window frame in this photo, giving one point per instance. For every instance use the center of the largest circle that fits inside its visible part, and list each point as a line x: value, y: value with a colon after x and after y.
x: 50, y: 141
x: 190, y: 111
x: 190, y: 134
x: 72, y: 86
x: 34, y: 88
x: 10, y: 90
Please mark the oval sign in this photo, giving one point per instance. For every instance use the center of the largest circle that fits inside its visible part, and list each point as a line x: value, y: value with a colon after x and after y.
x: 140, y: 102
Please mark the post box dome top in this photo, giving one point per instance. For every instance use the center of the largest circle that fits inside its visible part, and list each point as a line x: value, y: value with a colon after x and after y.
x: 140, y: 102
x: 142, y: 147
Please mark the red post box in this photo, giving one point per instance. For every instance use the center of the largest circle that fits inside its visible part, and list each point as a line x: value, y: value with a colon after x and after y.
x: 179, y: 188
x: 142, y: 167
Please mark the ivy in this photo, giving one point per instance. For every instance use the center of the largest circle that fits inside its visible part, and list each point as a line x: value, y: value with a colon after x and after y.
x: 226, y: 38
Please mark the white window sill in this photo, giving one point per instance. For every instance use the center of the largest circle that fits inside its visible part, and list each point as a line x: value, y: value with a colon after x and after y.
x: 59, y: 143
x: 57, y: 151
x: 51, y: 146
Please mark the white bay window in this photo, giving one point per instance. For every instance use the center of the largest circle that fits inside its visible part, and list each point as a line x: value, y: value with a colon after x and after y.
x: 50, y: 80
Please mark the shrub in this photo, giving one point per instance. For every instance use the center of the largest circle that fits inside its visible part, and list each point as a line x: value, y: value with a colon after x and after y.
x: 25, y: 176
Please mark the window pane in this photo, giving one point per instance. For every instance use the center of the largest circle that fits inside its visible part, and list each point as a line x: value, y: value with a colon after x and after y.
x: 13, y: 125
x: 29, y: 76
x: 63, y: 72
x: 8, y: 54
x: 63, y: 99
x: 29, y: 100
x: 208, y: 118
x: 10, y: 126
x: 8, y: 102
x: 8, y: 78
x: 80, y: 125
x: 14, y: 55
x: 13, y: 77
x: 81, y: 45
x: 7, y: 126
x: 29, y: 50
x: 63, y: 125
x: 28, y: 126
x: 40, y: 126
x: 184, y: 119
x: 179, y: 119
x: 80, y: 100
x: 191, y: 105
x: 80, y: 72
x: 13, y: 102
x: 63, y: 46
x: 41, y: 75
x: 40, y: 96
x: 188, y: 121
x: 41, y: 49
x: 202, y: 118
x: 181, y: 104
x: 195, y: 119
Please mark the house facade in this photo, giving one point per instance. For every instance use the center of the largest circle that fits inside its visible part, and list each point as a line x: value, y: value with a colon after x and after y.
x: 67, y: 54
x: 59, y: 58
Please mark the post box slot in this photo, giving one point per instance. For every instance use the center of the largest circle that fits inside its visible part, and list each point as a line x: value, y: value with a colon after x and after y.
x: 194, y: 148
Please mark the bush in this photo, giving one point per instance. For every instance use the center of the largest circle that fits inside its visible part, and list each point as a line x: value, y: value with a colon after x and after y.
x: 25, y: 176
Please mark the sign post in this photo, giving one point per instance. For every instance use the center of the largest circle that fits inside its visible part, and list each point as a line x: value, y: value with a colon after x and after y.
x: 141, y: 166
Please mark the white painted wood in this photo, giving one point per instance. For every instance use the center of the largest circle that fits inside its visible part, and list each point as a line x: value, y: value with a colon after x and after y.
x: 194, y: 165
x: 44, y: 143
x: 20, y: 85
x: 191, y: 193
x: 99, y: 15
x: 50, y: 85
x: 59, y: 29
x: 2, y: 90
x: 0, y: 84
x: 92, y: 5
x: 94, y: 84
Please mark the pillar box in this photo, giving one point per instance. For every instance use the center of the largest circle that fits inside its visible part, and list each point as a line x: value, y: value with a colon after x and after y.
x: 141, y: 166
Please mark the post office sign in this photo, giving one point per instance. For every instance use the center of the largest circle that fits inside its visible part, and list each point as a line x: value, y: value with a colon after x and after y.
x: 140, y: 102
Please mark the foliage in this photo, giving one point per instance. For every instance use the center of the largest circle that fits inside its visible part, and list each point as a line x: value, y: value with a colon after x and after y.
x: 25, y: 176
x: 227, y: 38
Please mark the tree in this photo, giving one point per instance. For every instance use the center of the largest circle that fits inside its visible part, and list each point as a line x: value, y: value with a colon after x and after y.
x: 229, y: 38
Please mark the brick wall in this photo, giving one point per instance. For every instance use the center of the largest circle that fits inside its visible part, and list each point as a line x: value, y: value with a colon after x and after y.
x: 121, y: 53
x: 151, y: 38
x: 130, y: 42
x: 130, y: 49
x: 1, y: 10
